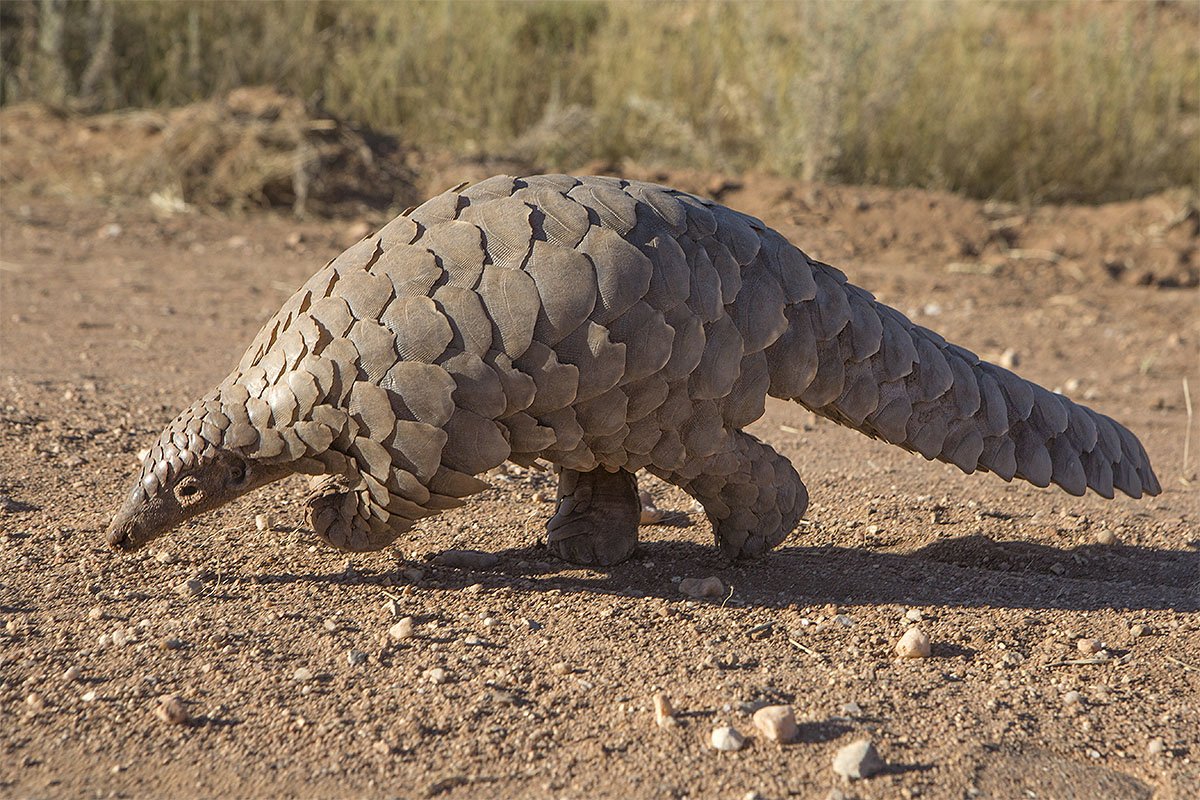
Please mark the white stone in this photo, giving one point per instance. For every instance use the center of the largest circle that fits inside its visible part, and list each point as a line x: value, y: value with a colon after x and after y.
x: 777, y: 723
x: 402, y: 629
x: 857, y: 760
x: 913, y: 644
x: 727, y: 739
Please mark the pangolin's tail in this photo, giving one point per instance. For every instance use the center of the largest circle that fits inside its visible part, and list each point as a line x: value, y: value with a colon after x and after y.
x: 867, y: 366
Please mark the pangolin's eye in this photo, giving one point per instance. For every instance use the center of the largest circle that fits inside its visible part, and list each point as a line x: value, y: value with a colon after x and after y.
x: 188, y: 491
x: 237, y: 473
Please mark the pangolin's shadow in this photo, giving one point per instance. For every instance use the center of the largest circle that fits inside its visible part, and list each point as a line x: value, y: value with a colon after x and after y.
x: 967, y: 571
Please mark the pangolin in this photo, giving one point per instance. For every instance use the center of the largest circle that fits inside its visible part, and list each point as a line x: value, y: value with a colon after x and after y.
x: 605, y: 326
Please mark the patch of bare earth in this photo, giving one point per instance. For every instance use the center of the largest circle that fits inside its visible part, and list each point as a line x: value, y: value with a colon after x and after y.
x: 288, y: 682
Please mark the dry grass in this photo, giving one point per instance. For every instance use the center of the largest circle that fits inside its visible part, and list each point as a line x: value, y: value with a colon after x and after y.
x: 1030, y: 101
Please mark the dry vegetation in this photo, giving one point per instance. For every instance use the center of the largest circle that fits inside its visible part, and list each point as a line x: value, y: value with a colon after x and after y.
x: 1038, y: 101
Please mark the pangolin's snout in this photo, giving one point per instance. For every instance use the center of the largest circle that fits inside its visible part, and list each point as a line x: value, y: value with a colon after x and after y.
x: 125, y: 530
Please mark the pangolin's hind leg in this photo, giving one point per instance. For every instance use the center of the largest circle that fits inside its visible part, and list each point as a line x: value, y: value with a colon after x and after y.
x: 596, y: 521
x: 752, y: 495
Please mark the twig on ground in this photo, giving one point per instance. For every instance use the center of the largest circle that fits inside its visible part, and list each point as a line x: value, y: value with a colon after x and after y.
x: 1183, y: 664
x: 1078, y: 662
x: 803, y: 648
x: 1187, y: 434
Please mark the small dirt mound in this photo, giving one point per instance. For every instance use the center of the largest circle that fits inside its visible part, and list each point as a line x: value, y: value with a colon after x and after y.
x: 252, y: 148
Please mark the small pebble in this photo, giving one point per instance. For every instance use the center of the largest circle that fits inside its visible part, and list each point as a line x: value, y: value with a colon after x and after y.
x: 164, y: 557
x: 561, y: 668
x: 303, y: 674
x: 35, y: 701
x: 95, y: 612
x: 171, y: 709
x: 1106, y: 538
x: 263, y: 522
x: 851, y: 709
x: 1139, y: 629
x: 858, y: 759
x: 1010, y: 359
x: 651, y: 513
x: 913, y: 644
x: 402, y: 629
x: 466, y: 559
x: 192, y: 587
x: 88, y: 696
x: 355, y: 657
x: 413, y: 575
x: 437, y: 676
x: 777, y: 723
x: 702, y: 587
x: 664, y: 713
x: 73, y: 674
x: 914, y: 615
x: 1156, y: 746
x: 727, y: 739
x: 1089, y: 647
x: 1072, y: 698
x: 392, y: 607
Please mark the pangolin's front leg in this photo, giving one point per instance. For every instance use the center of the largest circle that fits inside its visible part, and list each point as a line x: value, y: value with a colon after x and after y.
x: 596, y: 520
x: 339, y: 510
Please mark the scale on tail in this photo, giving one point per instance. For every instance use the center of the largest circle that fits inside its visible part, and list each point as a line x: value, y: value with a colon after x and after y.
x: 605, y: 326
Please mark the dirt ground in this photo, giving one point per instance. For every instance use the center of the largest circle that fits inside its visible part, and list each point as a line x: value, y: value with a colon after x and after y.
x: 116, y: 315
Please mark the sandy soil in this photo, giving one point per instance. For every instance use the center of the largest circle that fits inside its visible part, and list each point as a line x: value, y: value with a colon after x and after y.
x: 114, y: 317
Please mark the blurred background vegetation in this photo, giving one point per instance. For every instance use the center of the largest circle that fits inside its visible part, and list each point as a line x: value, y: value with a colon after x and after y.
x: 1032, y: 101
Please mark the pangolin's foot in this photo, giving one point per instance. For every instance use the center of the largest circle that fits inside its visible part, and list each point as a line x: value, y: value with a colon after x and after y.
x: 752, y: 496
x: 596, y: 521
x: 346, y: 518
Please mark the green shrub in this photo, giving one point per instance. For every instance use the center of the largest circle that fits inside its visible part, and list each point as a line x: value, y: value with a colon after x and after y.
x: 1051, y: 100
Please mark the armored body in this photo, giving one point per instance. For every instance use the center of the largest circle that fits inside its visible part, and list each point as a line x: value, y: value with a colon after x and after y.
x: 605, y: 326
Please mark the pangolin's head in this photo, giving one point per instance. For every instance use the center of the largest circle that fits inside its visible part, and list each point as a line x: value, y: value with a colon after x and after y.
x: 196, y: 465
